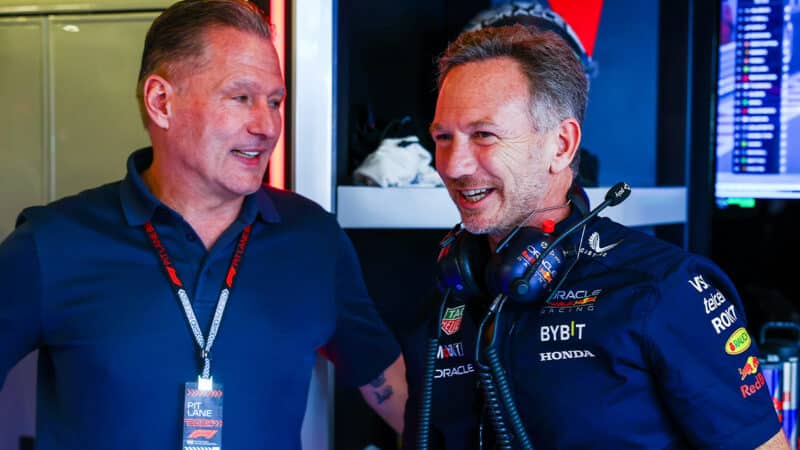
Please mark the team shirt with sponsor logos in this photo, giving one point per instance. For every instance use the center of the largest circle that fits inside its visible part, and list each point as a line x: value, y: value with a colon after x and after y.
x: 454, y: 416
x: 643, y: 346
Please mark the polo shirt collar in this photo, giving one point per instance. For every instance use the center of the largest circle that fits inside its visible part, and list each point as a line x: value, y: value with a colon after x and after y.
x: 139, y: 204
x: 578, y: 210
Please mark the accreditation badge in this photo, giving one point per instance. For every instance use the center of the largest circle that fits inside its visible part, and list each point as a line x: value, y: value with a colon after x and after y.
x: 202, y: 416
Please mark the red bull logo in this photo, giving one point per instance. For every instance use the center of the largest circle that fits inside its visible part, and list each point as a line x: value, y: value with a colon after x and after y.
x: 750, y: 389
x: 750, y: 367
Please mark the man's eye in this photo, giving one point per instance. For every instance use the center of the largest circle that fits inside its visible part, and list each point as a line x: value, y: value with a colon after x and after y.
x: 484, y: 137
x: 241, y: 98
x: 275, y: 104
x: 441, y: 137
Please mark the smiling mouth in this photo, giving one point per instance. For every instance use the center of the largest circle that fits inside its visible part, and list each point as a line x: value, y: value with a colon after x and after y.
x: 475, y: 195
x: 246, y: 154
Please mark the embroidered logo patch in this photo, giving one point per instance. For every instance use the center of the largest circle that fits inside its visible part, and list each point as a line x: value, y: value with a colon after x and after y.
x: 451, y: 322
x: 594, y: 244
x: 738, y: 342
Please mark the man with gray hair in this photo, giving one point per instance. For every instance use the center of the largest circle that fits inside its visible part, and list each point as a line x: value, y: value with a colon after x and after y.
x: 154, y: 299
x: 580, y: 332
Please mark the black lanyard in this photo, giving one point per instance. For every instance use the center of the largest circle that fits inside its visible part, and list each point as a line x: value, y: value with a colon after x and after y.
x: 227, y: 285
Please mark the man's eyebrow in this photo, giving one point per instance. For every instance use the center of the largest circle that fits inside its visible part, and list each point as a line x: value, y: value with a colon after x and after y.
x: 472, y: 125
x: 281, y: 92
x: 252, y: 85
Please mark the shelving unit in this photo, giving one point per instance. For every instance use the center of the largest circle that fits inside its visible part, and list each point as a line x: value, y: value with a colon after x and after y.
x: 371, y: 207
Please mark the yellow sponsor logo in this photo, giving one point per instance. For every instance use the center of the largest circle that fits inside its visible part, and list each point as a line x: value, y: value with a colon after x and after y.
x: 738, y: 343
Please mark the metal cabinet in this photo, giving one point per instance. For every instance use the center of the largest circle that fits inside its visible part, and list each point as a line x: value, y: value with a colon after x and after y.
x: 70, y: 116
x: 23, y: 131
x: 93, y: 65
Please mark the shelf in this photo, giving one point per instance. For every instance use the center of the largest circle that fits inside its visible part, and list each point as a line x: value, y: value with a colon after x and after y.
x: 374, y: 207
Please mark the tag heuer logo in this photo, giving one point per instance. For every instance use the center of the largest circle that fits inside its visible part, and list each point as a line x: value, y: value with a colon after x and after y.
x: 451, y: 321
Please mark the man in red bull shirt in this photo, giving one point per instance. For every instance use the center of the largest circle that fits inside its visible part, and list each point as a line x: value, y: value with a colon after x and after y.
x: 634, y: 344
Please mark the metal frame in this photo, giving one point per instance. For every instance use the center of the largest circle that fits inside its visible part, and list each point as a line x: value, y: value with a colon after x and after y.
x: 312, y: 137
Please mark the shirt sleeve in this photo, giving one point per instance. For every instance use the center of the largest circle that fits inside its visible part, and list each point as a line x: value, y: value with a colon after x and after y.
x: 362, y: 345
x: 20, y: 301
x: 706, y: 363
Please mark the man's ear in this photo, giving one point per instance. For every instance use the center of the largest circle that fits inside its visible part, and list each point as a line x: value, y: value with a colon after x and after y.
x: 568, y: 139
x: 158, y: 95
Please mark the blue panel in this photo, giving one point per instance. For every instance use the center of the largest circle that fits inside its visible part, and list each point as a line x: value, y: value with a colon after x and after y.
x: 620, y: 125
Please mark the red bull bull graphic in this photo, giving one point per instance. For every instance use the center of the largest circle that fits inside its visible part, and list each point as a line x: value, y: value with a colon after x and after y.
x: 750, y: 367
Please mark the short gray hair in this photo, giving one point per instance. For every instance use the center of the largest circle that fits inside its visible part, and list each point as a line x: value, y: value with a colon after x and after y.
x: 557, y: 83
x: 177, y: 36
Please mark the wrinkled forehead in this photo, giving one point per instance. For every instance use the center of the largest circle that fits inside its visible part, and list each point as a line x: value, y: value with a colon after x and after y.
x: 484, y: 83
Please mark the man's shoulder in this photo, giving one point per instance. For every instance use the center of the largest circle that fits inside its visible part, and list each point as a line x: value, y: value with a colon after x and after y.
x: 641, y: 257
x: 87, y: 205
x: 295, y: 208
x: 624, y: 248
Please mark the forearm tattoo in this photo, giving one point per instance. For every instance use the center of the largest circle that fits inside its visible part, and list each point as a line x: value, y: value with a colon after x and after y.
x: 382, y: 390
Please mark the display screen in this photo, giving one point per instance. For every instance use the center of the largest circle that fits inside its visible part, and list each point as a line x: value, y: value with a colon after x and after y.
x: 758, y: 100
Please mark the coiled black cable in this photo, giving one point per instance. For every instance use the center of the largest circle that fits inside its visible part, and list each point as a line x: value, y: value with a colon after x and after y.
x: 426, y: 400
x: 502, y: 434
x: 495, y: 386
x: 508, y: 400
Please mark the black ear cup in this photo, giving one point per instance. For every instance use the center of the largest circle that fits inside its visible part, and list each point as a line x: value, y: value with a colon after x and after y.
x: 518, y: 272
x: 462, y: 264
x: 466, y: 265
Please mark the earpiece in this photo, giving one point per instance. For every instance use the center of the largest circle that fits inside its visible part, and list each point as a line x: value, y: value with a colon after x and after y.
x: 526, y: 265
x: 462, y: 263
x: 508, y: 271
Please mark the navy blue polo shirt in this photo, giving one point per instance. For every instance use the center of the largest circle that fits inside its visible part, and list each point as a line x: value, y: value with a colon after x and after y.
x: 643, y: 346
x: 83, y: 284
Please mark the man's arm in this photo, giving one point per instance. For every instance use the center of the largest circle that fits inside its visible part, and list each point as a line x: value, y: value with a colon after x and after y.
x: 387, y: 394
x: 777, y: 442
x: 20, y: 303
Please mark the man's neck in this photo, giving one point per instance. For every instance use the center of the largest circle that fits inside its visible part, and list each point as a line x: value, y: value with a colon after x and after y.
x: 208, y: 215
x: 554, y: 206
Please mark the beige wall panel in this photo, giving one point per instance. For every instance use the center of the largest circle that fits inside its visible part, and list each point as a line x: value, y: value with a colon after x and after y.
x: 22, y: 127
x: 96, y: 124
x: 75, y: 6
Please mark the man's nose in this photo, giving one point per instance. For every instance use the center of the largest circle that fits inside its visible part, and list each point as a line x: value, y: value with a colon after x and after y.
x: 265, y: 120
x: 456, y: 159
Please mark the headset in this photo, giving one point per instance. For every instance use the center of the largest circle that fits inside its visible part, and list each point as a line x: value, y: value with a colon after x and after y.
x: 527, y: 267
x: 526, y: 263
